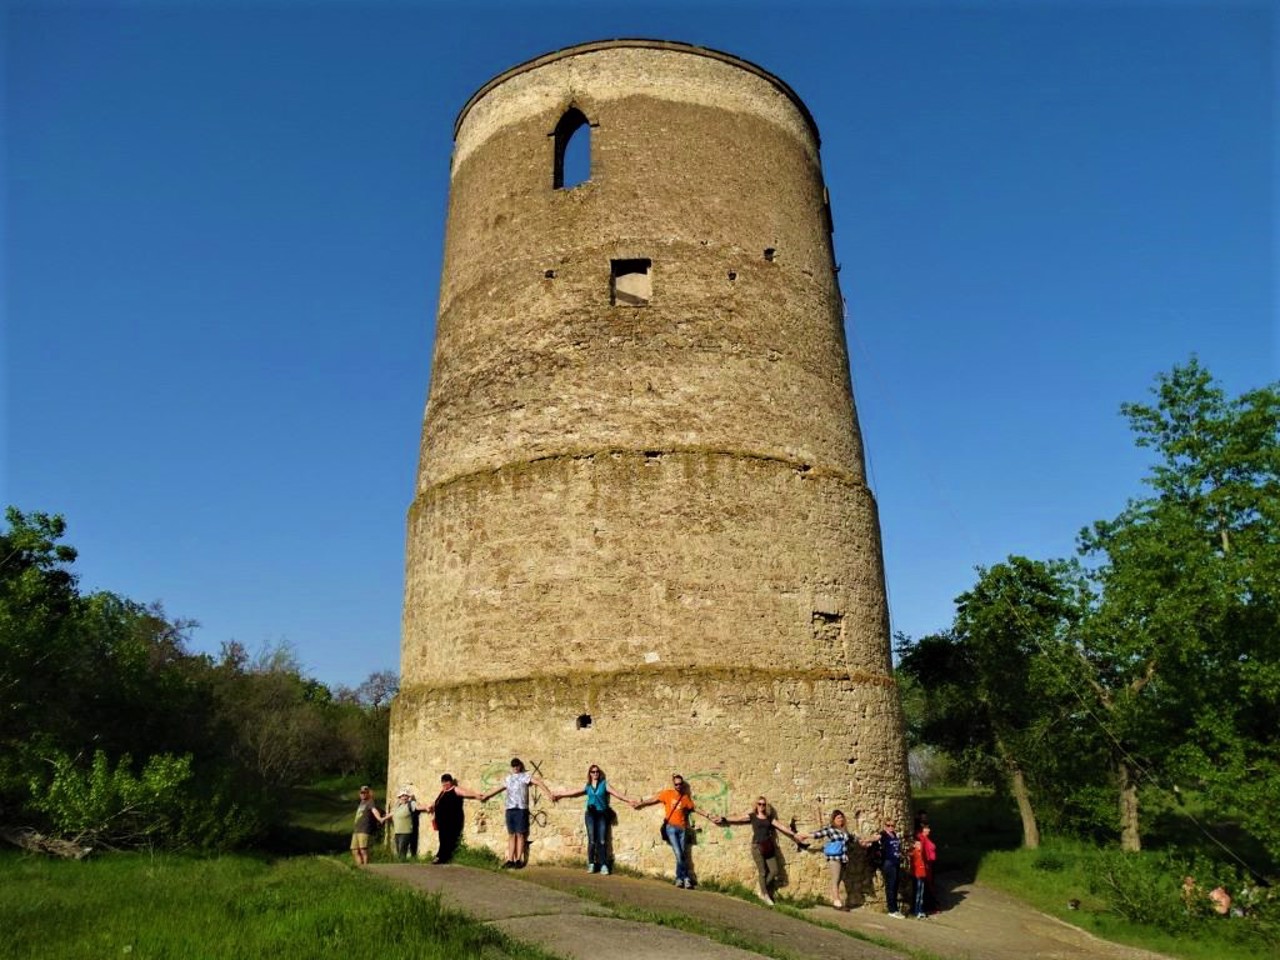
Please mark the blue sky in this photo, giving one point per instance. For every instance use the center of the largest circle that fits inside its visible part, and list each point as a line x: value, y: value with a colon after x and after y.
x: 222, y: 231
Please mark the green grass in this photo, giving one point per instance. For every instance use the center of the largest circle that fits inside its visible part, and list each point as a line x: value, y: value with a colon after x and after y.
x: 1056, y: 873
x: 173, y: 908
x: 979, y: 837
x: 319, y: 817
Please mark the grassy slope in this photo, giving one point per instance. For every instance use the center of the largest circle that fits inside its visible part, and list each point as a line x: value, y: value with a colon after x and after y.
x: 979, y: 838
x: 137, y: 905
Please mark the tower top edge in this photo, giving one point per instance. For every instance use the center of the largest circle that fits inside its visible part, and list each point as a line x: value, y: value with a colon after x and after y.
x: 625, y: 43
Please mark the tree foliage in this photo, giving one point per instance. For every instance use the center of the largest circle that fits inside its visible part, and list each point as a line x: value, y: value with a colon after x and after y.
x: 114, y: 732
x: 993, y: 699
x: 1156, y: 661
x: 1182, y: 647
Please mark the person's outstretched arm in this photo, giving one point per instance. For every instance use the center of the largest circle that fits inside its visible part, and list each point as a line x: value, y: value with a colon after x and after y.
x: 783, y: 828
x: 613, y: 793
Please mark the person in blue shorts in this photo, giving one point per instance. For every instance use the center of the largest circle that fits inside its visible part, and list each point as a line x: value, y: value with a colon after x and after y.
x: 517, y: 786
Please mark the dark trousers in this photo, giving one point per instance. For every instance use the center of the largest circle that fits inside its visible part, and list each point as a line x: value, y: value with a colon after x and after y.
x: 890, y: 870
x: 404, y: 846
x: 597, y: 837
x: 449, y: 837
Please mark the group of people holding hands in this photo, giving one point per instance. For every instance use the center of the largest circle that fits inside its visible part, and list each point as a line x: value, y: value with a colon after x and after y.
x: 886, y: 851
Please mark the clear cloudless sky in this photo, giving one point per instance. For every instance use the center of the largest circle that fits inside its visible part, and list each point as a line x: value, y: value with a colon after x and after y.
x: 222, y: 235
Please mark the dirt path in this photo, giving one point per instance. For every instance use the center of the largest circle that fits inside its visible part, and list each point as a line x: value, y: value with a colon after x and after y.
x: 577, y: 915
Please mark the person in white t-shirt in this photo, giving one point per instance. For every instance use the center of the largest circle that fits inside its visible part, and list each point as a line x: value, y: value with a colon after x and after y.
x: 517, y: 786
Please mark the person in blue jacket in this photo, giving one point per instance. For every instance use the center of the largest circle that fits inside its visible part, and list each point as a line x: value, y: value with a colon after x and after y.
x: 890, y: 863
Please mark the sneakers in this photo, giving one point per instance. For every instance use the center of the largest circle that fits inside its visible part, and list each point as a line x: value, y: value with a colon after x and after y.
x: 837, y: 904
x: 604, y: 869
x: 764, y: 895
x: 922, y: 916
x: 591, y: 868
x: 686, y: 883
x: 898, y: 915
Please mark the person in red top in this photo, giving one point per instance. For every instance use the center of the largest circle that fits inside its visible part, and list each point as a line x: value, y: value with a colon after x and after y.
x: 678, y: 806
x: 918, y: 871
x: 930, y: 850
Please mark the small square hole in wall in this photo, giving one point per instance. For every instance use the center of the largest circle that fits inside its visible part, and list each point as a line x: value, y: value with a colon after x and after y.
x: 631, y: 282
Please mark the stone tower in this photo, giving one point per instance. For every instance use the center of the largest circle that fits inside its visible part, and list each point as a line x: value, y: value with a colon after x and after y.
x: 642, y: 534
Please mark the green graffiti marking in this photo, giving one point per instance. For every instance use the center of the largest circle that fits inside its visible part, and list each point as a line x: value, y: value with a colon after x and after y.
x: 711, y: 793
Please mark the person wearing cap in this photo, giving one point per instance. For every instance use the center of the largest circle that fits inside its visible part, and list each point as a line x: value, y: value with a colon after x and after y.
x: 368, y: 819
x: 402, y: 816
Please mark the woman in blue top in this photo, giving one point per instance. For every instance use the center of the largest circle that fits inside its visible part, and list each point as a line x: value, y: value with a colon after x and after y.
x: 597, y: 791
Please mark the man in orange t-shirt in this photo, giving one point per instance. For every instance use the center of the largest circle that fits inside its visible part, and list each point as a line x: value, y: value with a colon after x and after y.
x: 678, y: 805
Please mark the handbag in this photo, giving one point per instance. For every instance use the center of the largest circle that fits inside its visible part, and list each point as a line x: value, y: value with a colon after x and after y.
x: 834, y: 847
x: 434, y: 825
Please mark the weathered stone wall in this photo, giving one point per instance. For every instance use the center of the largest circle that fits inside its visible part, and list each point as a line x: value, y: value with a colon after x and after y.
x: 655, y: 516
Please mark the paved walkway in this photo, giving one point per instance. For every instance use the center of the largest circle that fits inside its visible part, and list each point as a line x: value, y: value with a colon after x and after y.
x: 583, y: 917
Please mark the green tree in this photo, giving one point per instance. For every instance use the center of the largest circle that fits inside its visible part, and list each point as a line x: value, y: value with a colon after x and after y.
x: 994, y: 696
x: 38, y: 643
x: 1182, y: 649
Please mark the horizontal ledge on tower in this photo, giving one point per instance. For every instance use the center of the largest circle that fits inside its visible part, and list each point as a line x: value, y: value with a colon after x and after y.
x: 802, y: 469
x: 674, y: 674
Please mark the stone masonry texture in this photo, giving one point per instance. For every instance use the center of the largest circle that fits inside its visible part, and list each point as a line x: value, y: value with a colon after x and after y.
x: 641, y: 534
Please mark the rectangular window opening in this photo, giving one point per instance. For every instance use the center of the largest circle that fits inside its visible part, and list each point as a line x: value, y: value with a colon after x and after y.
x: 631, y: 282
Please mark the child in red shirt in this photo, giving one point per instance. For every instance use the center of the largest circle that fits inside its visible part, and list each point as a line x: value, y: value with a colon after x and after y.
x: 919, y: 870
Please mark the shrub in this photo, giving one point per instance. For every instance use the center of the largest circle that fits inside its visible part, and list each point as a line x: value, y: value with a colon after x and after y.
x: 114, y: 807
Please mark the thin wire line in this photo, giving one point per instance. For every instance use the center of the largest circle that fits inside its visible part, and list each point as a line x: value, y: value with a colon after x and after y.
x: 1144, y: 773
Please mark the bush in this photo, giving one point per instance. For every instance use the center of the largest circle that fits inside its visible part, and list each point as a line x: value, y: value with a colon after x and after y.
x: 1144, y: 888
x: 1147, y: 888
x: 165, y: 804
x: 114, y: 807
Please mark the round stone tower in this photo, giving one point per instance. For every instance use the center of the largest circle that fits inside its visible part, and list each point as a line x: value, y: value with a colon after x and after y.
x: 642, y: 535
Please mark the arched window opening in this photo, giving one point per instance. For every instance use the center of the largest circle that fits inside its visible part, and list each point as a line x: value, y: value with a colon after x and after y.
x: 573, y: 150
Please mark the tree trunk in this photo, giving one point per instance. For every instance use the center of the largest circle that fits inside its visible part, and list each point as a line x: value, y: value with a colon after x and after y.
x: 1130, y: 837
x: 1018, y: 786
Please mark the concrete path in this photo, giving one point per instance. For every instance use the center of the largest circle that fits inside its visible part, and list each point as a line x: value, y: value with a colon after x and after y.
x: 572, y: 913
x: 583, y: 917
